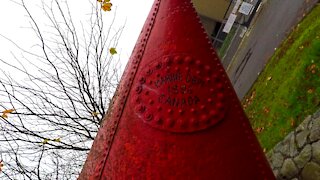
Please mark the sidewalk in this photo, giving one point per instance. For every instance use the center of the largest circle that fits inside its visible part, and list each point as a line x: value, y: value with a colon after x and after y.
x: 240, y: 37
x: 247, y: 57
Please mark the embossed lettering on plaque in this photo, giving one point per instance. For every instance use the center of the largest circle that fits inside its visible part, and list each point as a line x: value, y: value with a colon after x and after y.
x: 179, y: 94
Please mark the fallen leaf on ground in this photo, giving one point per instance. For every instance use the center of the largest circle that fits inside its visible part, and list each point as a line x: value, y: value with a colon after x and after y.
x: 244, y: 106
x: 311, y: 90
x: 312, y: 68
x: 260, y: 129
x: 253, y: 95
x: 292, y: 122
x: 266, y: 110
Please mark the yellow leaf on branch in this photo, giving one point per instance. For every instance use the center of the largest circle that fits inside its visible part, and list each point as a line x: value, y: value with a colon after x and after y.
x: 5, y: 116
x: 57, y: 140
x: 94, y: 114
x: 113, y: 51
x: 6, y: 112
x: 45, y: 141
x: 1, y: 165
x: 106, y: 6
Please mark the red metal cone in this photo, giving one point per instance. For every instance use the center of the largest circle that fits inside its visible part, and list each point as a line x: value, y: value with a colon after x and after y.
x: 176, y: 115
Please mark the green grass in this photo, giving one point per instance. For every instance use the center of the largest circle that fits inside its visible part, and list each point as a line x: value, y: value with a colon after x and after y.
x: 226, y: 43
x: 289, y: 87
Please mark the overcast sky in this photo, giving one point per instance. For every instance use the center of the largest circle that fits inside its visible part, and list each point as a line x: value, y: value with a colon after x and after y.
x: 13, y: 22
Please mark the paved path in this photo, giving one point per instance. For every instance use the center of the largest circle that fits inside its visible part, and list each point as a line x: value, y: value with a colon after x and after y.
x: 274, y: 22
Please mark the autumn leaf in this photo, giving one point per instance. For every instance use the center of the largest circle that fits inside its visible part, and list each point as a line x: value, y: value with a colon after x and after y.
x: 113, y: 51
x: 244, y: 106
x: 106, y: 6
x: 292, y: 122
x: 45, y: 141
x: 8, y: 111
x: 301, y: 47
x: 312, y: 68
x: 5, y: 116
x: 264, y: 150
x: 1, y: 165
x: 259, y: 130
x: 57, y: 140
x: 311, y: 90
x: 266, y: 110
x: 94, y: 114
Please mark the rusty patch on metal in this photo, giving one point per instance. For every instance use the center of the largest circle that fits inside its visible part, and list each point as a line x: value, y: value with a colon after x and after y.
x: 174, y: 97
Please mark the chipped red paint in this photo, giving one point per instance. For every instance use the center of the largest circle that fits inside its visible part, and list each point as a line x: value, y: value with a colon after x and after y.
x: 176, y: 115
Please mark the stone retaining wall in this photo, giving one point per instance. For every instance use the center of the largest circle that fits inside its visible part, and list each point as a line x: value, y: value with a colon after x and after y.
x: 298, y: 155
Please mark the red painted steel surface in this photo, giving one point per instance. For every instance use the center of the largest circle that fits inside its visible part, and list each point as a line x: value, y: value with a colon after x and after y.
x: 176, y: 115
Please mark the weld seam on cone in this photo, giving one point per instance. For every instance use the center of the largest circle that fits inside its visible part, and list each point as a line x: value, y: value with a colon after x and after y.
x: 102, y: 164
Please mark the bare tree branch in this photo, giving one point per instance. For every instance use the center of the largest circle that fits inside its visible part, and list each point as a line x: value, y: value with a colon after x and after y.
x: 69, y: 80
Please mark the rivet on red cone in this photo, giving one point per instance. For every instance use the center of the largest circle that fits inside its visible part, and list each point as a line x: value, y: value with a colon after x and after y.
x: 175, y: 115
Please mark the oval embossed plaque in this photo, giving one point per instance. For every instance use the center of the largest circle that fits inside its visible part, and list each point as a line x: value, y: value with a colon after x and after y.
x: 180, y: 94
